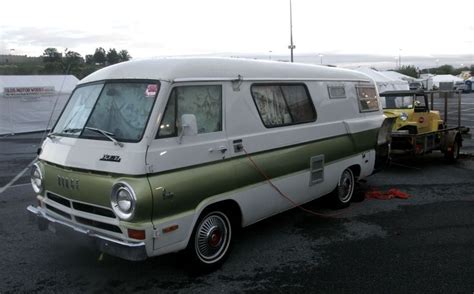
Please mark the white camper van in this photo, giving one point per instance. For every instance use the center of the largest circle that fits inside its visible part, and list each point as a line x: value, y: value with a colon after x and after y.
x: 157, y: 156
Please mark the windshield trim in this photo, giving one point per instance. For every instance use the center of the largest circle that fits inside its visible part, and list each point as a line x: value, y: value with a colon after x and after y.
x: 104, y: 82
x: 398, y: 96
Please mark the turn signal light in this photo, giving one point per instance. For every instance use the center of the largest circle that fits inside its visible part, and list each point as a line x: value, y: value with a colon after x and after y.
x: 170, y: 229
x: 136, y: 234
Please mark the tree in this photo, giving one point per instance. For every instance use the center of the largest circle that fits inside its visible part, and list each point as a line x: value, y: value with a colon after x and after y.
x: 72, y: 63
x: 444, y: 70
x: 408, y: 70
x: 73, y: 57
x: 100, y: 56
x: 89, y: 59
x: 112, y: 56
x: 124, y: 55
x: 51, y: 55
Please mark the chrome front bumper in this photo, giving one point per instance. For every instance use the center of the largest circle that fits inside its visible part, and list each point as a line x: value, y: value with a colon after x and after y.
x: 126, y: 250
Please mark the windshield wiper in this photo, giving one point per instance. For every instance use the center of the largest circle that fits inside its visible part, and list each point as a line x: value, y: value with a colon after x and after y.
x: 107, y: 135
x: 65, y: 131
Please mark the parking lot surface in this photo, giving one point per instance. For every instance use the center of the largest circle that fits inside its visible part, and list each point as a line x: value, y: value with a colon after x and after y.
x: 417, y: 245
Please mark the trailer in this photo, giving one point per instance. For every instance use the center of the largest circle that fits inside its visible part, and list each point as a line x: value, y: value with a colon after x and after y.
x: 419, y: 129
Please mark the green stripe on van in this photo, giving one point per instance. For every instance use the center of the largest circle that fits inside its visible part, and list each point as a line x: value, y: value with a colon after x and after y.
x: 190, y: 186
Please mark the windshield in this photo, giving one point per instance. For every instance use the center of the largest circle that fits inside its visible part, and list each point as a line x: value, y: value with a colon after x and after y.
x: 121, y: 109
x: 397, y: 102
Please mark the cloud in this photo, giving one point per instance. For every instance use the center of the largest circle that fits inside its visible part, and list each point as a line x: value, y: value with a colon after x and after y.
x: 31, y: 39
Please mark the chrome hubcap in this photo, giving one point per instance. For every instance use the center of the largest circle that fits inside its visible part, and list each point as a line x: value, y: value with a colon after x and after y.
x: 212, y: 237
x: 346, y: 186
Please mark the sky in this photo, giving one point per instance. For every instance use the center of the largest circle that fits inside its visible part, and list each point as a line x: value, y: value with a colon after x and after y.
x: 244, y: 27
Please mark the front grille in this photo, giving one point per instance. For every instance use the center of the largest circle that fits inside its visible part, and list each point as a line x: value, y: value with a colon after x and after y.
x: 59, y: 199
x: 93, y: 209
x: 82, y: 207
x: 58, y: 211
x: 97, y: 224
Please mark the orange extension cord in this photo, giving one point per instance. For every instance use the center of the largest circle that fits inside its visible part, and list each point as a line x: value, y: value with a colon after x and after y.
x: 373, y: 194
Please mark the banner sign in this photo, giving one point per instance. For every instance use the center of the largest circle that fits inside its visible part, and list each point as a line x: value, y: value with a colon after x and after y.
x: 28, y: 91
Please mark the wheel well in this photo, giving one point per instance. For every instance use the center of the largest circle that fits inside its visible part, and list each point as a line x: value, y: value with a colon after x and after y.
x: 355, y: 170
x: 230, y: 207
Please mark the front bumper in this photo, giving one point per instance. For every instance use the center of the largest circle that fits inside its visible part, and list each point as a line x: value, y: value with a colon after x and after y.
x: 133, y: 251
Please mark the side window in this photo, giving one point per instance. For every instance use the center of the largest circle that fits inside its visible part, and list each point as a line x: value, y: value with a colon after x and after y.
x: 283, y: 104
x: 205, y: 102
x: 368, y: 100
x: 336, y: 91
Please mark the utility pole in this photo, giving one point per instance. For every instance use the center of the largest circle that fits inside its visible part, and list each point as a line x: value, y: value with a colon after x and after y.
x: 292, y: 46
x: 400, y: 58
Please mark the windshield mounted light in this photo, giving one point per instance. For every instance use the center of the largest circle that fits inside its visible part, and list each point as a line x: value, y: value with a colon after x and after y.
x: 403, y: 116
x: 36, y: 178
x: 123, y: 200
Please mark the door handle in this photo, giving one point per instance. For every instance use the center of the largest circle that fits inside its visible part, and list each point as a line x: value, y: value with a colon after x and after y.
x: 222, y: 149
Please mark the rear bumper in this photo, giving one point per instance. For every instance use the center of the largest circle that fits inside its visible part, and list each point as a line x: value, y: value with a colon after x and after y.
x: 133, y: 251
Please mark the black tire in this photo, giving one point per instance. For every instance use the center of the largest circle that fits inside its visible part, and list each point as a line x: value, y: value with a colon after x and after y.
x: 210, y: 242
x: 341, y: 196
x: 453, y: 155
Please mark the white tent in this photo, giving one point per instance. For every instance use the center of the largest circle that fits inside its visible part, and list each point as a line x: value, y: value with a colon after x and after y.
x: 446, y: 79
x: 397, y: 76
x: 384, y: 82
x: 27, y: 102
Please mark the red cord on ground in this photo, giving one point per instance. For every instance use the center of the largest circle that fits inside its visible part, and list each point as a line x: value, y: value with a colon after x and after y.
x: 390, y: 194
x: 296, y: 205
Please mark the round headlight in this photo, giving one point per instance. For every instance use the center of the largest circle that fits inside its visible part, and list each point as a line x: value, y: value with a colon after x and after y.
x: 36, y: 178
x: 403, y: 116
x: 123, y: 200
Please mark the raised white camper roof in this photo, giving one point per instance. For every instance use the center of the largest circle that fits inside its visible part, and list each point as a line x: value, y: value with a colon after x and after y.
x: 192, y: 69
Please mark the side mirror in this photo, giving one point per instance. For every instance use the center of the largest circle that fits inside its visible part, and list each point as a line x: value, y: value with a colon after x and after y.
x: 188, y: 126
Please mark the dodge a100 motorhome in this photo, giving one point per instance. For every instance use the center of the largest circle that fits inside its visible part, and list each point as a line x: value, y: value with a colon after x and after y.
x: 156, y: 156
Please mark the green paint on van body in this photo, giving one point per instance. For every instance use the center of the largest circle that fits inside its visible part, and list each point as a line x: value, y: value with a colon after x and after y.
x: 190, y: 186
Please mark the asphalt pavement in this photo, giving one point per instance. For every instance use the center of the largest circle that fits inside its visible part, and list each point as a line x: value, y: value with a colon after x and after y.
x: 423, y: 244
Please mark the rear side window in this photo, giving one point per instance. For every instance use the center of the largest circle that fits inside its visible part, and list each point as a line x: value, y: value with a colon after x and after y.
x: 205, y: 102
x: 283, y: 104
x: 368, y: 100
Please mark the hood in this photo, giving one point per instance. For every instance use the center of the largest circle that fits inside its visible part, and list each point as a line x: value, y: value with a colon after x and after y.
x: 95, y: 155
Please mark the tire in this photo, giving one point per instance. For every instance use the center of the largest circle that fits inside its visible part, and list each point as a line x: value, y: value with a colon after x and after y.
x: 342, y: 195
x: 453, y: 155
x: 210, y: 242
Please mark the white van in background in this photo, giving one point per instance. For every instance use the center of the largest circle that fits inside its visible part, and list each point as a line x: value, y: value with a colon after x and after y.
x: 156, y: 156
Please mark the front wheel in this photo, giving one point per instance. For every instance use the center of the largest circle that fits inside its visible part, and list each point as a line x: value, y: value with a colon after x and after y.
x: 342, y: 195
x: 210, y: 242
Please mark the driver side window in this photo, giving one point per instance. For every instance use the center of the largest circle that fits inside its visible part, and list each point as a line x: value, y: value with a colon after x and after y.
x: 204, y: 102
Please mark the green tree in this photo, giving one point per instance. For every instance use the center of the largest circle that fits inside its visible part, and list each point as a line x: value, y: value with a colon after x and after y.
x: 100, y: 56
x: 444, y: 70
x: 72, y: 63
x: 51, y: 55
x: 90, y: 59
x: 408, y: 70
x: 112, y: 56
x: 124, y: 55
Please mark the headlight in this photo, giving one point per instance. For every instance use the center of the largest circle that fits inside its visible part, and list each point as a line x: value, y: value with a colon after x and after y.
x: 36, y: 178
x: 403, y: 116
x: 123, y: 200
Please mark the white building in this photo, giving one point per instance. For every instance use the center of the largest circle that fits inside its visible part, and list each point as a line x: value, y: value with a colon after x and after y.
x: 28, y: 102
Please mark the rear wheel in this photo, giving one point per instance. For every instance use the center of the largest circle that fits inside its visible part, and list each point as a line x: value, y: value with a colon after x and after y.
x: 453, y: 154
x: 342, y: 195
x: 210, y: 242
